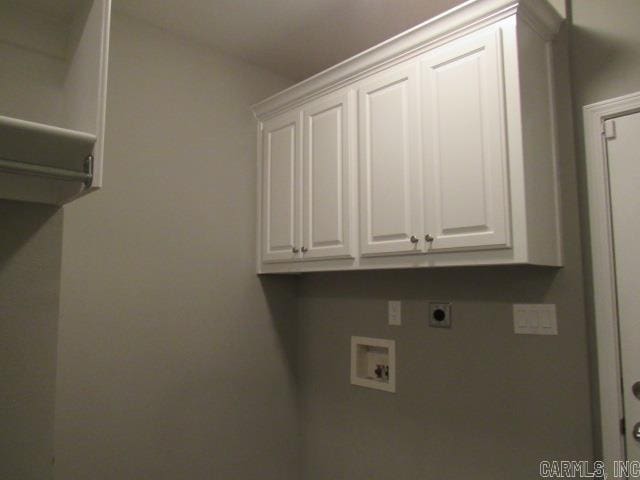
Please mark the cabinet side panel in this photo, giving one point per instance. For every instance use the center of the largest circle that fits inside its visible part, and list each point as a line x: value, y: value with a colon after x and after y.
x: 86, y: 85
x: 539, y: 136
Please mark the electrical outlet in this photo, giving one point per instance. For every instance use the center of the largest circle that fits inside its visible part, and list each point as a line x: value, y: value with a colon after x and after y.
x: 440, y: 314
x: 395, y: 312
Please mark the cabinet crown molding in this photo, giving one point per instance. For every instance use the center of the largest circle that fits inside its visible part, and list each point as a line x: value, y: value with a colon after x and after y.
x: 461, y: 20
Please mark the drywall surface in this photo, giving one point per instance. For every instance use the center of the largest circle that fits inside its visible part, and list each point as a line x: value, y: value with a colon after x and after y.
x: 175, y: 360
x: 293, y: 38
x: 605, y: 49
x: 475, y: 401
x: 32, y: 47
x: 30, y: 251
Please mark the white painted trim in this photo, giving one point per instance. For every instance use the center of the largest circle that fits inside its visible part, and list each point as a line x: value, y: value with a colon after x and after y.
x: 603, y: 271
x: 259, y: 179
x: 104, y: 7
x: 102, y: 92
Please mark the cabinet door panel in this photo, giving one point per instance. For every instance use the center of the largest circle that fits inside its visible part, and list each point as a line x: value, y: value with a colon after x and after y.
x: 326, y: 178
x: 389, y: 152
x: 464, y: 144
x: 280, y: 202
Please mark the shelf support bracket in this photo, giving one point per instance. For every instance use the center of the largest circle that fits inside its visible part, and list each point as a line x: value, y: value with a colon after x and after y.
x: 88, y: 170
x: 23, y: 168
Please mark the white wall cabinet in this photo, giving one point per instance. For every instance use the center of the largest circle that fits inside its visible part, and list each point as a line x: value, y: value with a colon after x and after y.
x: 281, y: 190
x: 327, y: 177
x: 465, y: 144
x: 53, y: 84
x: 306, y: 184
x: 452, y: 128
x: 390, y: 187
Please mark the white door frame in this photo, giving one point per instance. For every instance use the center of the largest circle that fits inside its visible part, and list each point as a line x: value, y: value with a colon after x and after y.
x: 603, y: 270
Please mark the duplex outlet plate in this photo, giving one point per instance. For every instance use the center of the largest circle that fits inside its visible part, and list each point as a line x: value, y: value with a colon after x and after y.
x: 440, y: 314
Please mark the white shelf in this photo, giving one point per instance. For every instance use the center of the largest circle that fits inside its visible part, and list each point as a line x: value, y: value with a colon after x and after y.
x: 43, y: 163
x: 44, y: 145
x: 52, y: 98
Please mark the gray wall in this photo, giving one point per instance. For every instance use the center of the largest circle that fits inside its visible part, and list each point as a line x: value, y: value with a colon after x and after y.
x: 173, y: 359
x: 605, y: 48
x: 30, y: 251
x: 184, y: 366
x: 475, y: 401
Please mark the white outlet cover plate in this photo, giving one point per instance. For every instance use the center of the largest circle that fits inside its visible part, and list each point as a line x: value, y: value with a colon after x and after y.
x: 535, y: 319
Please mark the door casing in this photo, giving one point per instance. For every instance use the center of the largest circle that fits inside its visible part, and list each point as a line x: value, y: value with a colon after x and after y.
x: 603, y: 271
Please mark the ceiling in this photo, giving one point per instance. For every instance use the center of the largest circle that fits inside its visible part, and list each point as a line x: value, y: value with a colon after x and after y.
x: 54, y: 9
x: 294, y: 38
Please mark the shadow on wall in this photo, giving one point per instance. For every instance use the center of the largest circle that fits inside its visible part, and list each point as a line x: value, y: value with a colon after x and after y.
x: 598, y: 55
x: 30, y: 258
x: 20, y: 222
x: 468, y: 283
x: 280, y: 292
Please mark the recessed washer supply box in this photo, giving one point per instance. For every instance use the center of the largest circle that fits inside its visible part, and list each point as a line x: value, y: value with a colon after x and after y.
x: 373, y: 363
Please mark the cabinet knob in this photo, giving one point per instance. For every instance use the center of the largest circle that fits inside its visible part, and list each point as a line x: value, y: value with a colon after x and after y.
x: 295, y: 250
x: 414, y: 239
x: 428, y: 238
x: 305, y: 249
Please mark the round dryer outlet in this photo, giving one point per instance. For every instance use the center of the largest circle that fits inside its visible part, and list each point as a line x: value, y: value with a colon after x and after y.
x: 440, y: 314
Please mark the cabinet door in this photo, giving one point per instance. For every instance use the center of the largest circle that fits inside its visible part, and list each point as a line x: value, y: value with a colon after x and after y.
x: 327, y: 178
x: 389, y: 154
x: 464, y: 144
x: 281, y: 148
